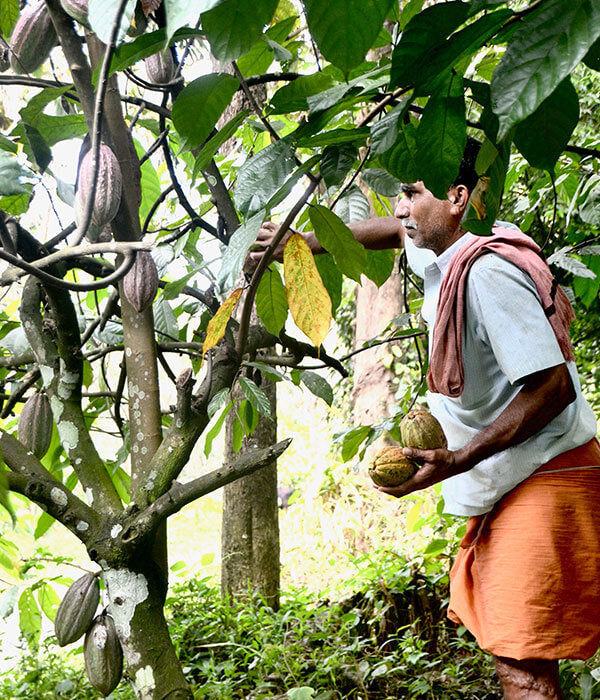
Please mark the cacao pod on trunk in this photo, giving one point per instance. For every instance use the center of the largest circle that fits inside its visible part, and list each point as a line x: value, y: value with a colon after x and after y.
x: 32, y: 39
x: 140, y: 284
x: 103, y: 655
x: 109, y: 187
x: 160, y: 67
x: 76, y: 611
x: 77, y: 9
x: 422, y: 430
x: 391, y: 468
x: 34, y: 427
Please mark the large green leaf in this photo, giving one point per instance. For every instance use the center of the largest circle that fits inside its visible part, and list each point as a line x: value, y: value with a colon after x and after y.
x: 333, y: 234
x: 423, y: 34
x: 183, y: 12
x: 353, y: 206
x: 150, y: 184
x: 102, y: 14
x: 235, y: 253
x: 293, y: 97
x: 200, y: 104
x: 332, y: 278
x: 592, y: 57
x: 335, y: 136
x: 336, y: 162
x: 30, y: 617
x: 235, y: 25
x: 542, y: 137
x: 215, y: 142
x: 317, y: 385
x: 400, y: 160
x: 385, y: 131
x: 380, y: 265
x: 345, y: 30
x: 549, y: 43
x: 262, y: 175
x: 271, y: 301
x: 9, y: 13
x: 380, y: 181
x: 256, y: 396
x: 261, y: 55
x: 441, y: 137
x: 10, y: 174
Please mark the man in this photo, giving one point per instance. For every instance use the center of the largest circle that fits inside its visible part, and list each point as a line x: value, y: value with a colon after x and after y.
x: 522, y: 460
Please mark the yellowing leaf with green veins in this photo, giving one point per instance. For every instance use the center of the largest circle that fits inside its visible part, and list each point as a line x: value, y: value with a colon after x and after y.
x: 307, y: 297
x: 218, y: 323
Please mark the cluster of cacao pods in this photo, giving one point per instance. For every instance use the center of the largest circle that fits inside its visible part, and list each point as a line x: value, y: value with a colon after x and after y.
x: 102, y: 651
x: 418, y: 429
x: 34, y: 427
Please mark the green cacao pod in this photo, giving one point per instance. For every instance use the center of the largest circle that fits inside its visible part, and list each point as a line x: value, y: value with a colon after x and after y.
x: 140, y: 284
x: 103, y: 655
x: 77, y: 9
x: 421, y: 430
x: 109, y: 187
x: 391, y: 468
x: 76, y: 611
x: 160, y: 67
x: 34, y: 427
x: 32, y: 39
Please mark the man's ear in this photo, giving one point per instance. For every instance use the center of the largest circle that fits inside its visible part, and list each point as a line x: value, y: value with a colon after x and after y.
x: 459, y: 196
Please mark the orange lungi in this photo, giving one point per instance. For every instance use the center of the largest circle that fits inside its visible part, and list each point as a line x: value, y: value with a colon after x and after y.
x: 526, y: 581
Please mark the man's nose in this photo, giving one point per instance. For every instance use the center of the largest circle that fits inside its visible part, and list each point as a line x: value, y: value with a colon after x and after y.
x: 402, y: 208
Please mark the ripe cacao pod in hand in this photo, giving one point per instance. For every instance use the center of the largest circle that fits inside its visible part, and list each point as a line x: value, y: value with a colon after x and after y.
x: 76, y: 611
x: 421, y: 430
x: 32, y: 39
x: 140, y: 284
x: 103, y: 655
x: 34, y: 427
x: 391, y: 468
x: 109, y: 186
x: 160, y: 67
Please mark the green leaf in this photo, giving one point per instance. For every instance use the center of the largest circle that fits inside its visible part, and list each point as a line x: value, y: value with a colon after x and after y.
x: 435, y: 547
x: 273, y: 374
x: 353, y: 439
x: 381, y: 182
x: 235, y: 25
x: 400, y: 160
x: 271, y: 301
x: 332, y: 279
x: 333, y: 234
x: 101, y: 17
x: 237, y: 249
x: 543, y: 136
x: 48, y: 600
x: 165, y: 321
x: 336, y: 162
x: 182, y: 12
x: 44, y: 523
x: 30, y: 618
x: 10, y: 174
x: 345, y: 30
x: 335, y: 136
x: 547, y: 46
x: 9, y: 13
x: 441, y: 138
x: 200, y: 104
x: 215, y: 142
x: 379, y: 265
x: 218, y: 401
x: 8, y: 145
x: 586, y: 288
x: 592, y: 57
x: 7, y: 601
x: 16, y: 204
x: 256, y: 396
x: 317, y: 385
x: 384, y: 132
x: 262, y: 175
x: 353, y: 206
x: 589, y: 209
x: 150, y: 181
x: 215, y: 430
x: 261, y: 55
x: 424, y: 33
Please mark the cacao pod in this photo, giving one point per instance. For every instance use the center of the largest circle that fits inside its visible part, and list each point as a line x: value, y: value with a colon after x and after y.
x: 160, y: 67
x: 391, y: 468
x: 103, y: 655
x: 76, y: 611
x: 32, y: 39
x: 422, y: 430
x: 77, y: 9
x: 108, y: 186
x: 34, y: 427
x: 140, y: 284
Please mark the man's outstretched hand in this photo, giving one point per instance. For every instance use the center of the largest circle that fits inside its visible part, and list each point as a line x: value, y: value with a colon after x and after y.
x: 264, y: 239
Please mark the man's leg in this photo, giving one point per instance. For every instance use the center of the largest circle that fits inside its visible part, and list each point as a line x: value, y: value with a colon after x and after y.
x: 529, y: 679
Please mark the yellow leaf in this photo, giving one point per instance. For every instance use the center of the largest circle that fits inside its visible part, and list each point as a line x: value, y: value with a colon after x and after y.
x: 307, y: 297
x: 218, y: 323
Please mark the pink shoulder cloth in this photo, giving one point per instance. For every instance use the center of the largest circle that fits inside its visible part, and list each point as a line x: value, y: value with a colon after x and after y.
x: 446, y: 372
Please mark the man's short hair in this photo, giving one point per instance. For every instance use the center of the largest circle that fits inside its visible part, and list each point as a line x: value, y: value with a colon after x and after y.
x: 467, y: 174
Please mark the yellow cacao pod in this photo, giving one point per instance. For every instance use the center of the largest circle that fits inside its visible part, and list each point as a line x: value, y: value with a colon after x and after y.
x: 422, y: 430
x: 109, y: 186
x: 103, y: 655
x: 34, y: 428
x: 140, y: 284
x: 391, y: 468
x: 76, y: 611
x: 32, y: 39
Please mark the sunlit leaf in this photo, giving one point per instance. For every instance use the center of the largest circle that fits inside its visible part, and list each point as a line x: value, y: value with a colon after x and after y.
x: 102, y: 14
x: 379, y: 265
x: 9, y: 13
x: 215, y: 430
x: 30, y: 618
x: 48, y: 600
x: 336, y: 238
x: 307, y: 297
x: 256, y: 396
x: 182, y: 12
x: 271, y: 301
x: 218, y: 323
x: 317, y: 385
x: 332, y: 278
x: 237, y: 249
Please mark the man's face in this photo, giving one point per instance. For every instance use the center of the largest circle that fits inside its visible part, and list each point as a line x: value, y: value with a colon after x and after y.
x: 428, y: 221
